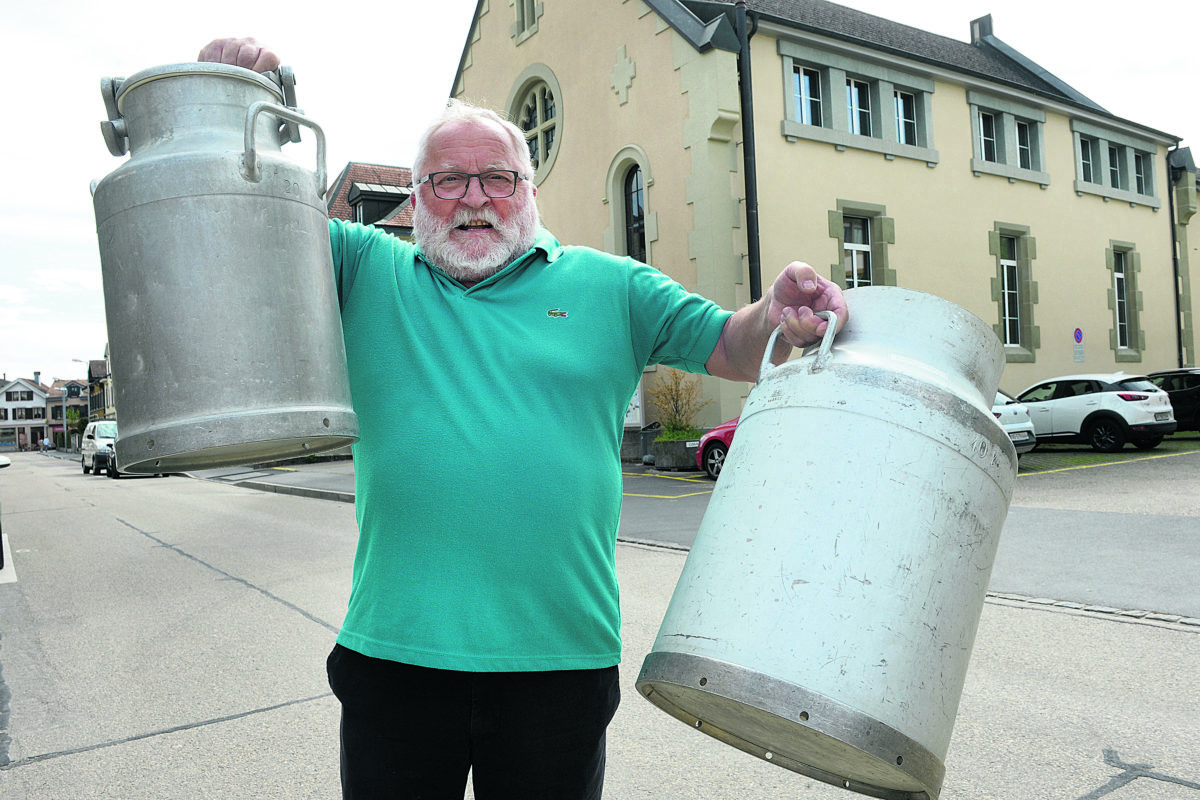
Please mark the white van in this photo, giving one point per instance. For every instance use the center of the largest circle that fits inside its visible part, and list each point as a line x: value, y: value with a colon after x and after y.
x: 96, y: 453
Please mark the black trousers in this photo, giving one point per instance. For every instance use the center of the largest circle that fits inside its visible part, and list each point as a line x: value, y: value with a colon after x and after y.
x: 414, y: 733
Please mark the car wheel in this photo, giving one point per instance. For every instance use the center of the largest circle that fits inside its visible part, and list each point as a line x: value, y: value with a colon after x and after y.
x: 1106, y: 435
x: 714, y: 459
x: 86, y: 468
x: 1148, y: 444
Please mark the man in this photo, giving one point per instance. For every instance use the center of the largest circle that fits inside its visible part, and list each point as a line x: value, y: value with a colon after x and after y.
x: 490, y: 368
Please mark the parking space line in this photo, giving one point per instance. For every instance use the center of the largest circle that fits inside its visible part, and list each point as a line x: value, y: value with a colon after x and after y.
x: 1105, y: 464
x: 684, y: 478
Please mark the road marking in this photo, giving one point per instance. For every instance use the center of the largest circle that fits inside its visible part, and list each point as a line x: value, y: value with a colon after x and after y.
x: 9, y: 573
x: 684, y: 478
x: 1107, y: 463
x: 680, y: 478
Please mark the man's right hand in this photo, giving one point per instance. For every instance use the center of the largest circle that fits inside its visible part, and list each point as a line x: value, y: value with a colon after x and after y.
x: 245, y: 53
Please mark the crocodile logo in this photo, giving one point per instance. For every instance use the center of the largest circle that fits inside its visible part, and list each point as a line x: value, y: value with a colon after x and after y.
x: 556, y: 312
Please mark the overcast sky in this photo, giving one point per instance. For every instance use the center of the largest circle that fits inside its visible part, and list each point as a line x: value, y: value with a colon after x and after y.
x: 373, y: 77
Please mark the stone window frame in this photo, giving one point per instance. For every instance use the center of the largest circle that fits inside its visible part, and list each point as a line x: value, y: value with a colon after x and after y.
x: 614, y: 197
x: 1133, y: 301
x: 835, y: 69
x: 1027, y: 293
x: 531, y: 78
x: 883, y: 234
x: 1007, y: 113
x: 527, y: 13
x: 1129, y: 149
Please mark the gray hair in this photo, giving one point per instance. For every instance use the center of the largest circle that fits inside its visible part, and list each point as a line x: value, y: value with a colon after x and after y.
x: 456, y: 111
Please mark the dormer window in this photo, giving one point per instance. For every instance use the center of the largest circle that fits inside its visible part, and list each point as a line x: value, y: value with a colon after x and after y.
x: 372, y: 202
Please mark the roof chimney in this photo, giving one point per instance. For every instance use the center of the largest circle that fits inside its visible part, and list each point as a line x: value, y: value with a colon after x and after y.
x: 37, y: 377
x: 980, y: 28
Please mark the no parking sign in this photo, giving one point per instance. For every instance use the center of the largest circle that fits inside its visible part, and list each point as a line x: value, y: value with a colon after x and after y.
x: 1079, y: 344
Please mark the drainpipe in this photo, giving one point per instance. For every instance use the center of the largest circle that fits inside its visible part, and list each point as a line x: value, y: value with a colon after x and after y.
x: 747, y: 96
x: 1174, y: 174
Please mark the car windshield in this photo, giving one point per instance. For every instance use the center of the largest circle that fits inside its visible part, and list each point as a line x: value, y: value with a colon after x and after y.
x: 1137, y: 385
x: 106, y: 430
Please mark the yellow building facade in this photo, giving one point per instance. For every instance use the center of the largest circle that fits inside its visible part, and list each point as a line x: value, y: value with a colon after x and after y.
x: 883, y: 155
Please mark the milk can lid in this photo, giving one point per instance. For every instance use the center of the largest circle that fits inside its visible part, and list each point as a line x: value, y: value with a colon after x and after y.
x: 268, y: 81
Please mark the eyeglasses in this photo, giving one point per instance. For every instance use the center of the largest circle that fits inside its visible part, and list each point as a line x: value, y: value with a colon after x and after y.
x: 496, y: 183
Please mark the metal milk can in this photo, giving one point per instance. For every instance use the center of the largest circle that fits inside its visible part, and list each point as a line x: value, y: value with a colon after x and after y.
x: 827, y: 610
x: 223, y: 321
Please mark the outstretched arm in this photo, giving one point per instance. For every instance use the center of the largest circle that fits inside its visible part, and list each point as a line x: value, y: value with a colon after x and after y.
x: 793, y: 300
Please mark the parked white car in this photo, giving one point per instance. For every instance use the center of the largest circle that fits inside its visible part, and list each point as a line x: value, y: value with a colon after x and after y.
x: 97, y: 453
x: 1103, y: 410
x: 1014, y: 418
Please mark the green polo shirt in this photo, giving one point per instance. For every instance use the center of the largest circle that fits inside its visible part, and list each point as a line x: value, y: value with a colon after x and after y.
x: 488, y: 475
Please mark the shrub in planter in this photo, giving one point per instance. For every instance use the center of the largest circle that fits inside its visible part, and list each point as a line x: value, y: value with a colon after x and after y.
x: 677, y: 397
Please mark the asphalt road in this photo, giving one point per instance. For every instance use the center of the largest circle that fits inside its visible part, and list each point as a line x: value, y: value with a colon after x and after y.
x: 165, y: 638
x: 1121, y: 533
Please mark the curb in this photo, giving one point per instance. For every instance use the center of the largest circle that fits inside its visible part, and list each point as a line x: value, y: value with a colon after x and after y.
x: 299, y: 491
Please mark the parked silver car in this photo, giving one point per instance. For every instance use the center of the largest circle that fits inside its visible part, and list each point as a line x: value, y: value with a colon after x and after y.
x: 96, y: 453
x: 1014, y: 417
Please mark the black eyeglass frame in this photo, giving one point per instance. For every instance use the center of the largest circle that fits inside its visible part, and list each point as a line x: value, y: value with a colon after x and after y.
x: 467, y: 182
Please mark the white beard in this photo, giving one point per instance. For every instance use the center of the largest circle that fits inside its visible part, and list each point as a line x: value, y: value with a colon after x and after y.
x: 471, y: 264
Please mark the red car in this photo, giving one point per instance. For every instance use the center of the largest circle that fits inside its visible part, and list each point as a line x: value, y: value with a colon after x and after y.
x: 710, y: 455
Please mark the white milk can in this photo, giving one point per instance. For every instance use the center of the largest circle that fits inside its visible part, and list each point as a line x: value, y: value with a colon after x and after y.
x: 827, y: 610
x: 223, y: 323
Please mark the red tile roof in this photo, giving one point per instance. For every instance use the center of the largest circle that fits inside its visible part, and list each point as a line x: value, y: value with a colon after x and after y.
x: 356, y: 172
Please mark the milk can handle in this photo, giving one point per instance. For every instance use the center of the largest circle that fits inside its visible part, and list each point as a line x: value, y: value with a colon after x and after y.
x: 822, y: 354
x: 251, y: 170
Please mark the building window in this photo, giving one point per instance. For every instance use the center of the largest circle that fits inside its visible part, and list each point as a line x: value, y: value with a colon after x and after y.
x: 1121, y: 299
x: 864, y: 233
x: 538, y: 121
x: 1008, y: 139
x: 1011, y: 302
x: 633, y: 227
x: 1141, y: 172
x: 1015, y: 291
x: 526, y: 23
x: 1087, y: 160
x: 906, y: 117
x: 858, y: 106
x: 1024, y: 146
x: 813, y: 79
x: 856, y: 251
x: 987, y: 137
x: 1113, y: 165
x: 635, y: 214
x: 1116, y: 168
x: 535, y: 104
x: 1124, y: 262
x: 807, y: 92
